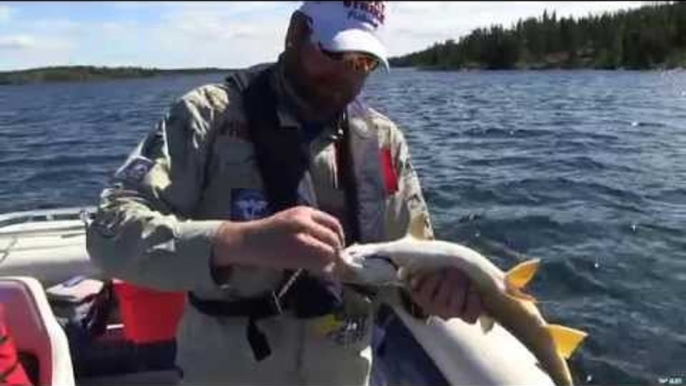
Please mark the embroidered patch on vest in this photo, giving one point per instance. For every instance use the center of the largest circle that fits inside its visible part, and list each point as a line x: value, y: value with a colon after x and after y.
x: 248, y: 204
x: 389, y: 174
x: 134, y: 169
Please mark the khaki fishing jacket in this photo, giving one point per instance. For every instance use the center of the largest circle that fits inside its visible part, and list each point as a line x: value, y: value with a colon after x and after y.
x: 156, y: 221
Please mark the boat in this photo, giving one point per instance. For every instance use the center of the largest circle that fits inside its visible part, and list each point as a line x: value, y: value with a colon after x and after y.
x: 43, y: 249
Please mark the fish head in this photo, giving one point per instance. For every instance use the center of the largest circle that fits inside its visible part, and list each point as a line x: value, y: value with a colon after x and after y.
x: 362, y: 265
x: 357, y: 253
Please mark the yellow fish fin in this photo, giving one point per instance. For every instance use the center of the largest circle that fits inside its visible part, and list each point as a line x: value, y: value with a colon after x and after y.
x: 519, y: 295
x: 566, y: 339
x: 326, y: 324
x: 486, y: 322
x: 520, y: 275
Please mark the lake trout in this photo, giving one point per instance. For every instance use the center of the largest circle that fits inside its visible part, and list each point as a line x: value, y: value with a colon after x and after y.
x: 502, y: 298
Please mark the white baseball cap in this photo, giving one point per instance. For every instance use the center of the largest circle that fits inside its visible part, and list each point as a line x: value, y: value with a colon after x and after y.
x: 348, y: 25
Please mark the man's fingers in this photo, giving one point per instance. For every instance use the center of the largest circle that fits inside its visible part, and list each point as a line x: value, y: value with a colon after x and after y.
x: 447, y: 295
x: 324, y: 234
x: 323, y: 253
x: 456, y: 301
x: 446, y: 291
x: 472, y: 309
x: 331, y: 223
x: 426, y: 289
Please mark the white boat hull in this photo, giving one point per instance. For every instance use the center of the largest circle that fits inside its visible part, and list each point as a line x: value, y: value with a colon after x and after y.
x: 47, y: 245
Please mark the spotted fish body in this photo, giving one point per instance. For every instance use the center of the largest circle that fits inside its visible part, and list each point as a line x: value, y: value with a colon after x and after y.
x: 500, y: 292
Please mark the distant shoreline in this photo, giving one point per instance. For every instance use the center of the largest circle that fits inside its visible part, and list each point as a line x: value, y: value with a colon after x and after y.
x: 550, y: 62
x: 46, y: 75
x: 540, y: 68
x: 93, y: 73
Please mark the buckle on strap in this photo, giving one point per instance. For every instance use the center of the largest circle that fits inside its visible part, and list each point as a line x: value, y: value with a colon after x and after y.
x: 258, y: 341
x: 275, y: 303
x: 260, y: 307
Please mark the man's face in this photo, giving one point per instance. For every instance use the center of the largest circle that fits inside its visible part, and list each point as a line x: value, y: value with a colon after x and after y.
x: 330, y: 81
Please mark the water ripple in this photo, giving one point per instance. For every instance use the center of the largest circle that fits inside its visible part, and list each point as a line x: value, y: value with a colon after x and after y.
x: 584, y: 169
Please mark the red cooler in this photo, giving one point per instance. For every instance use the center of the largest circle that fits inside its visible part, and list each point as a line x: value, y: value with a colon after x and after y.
x: 148, y: 315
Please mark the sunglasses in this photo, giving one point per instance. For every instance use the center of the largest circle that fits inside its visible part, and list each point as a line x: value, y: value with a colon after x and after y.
x: 356, y: 61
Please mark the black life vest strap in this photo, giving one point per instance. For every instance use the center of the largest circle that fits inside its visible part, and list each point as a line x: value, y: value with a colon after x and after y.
x: 282, y: 158
x: 346, y: 179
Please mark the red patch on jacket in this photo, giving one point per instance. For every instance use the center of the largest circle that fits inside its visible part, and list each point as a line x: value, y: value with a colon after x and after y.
x: 389, y: 174
x: 11, y: 371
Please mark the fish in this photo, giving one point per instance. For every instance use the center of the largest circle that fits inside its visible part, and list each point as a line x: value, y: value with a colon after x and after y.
x: 396, y: 262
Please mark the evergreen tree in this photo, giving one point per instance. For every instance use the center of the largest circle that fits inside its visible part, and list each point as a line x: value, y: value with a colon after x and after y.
x: 648, y: 37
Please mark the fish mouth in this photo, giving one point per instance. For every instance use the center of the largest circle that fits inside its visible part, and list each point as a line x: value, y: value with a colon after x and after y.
x: 384, y: 259
x: 373, y: 270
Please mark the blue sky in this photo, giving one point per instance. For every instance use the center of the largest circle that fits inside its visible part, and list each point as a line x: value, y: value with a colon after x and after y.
x: 223, y: 34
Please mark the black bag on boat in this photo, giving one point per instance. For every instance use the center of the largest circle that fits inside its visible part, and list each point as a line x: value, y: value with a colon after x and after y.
x: 82, y: 306
x: 84, y: 313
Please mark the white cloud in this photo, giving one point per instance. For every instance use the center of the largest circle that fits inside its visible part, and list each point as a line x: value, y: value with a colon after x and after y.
x: 56, y: 27
x: 35, y: 43
x: 118, y: 30
x: 135, y: 5
x: 5, y: 13
x: 24, y: 52
x: 17, y: 42
x: 225, y: 8
x: 230, y: 7
x: 220, y: 34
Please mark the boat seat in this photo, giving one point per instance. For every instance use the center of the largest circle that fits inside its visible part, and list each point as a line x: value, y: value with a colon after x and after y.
x: 35, y: 329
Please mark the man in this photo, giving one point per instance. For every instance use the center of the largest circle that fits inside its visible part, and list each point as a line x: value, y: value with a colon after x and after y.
x: 245, y: 193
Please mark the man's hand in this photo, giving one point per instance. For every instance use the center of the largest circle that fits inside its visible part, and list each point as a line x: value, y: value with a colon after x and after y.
x: 447, y: 294
x: 299, y: 237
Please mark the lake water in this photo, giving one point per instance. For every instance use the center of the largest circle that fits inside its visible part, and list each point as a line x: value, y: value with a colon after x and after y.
x: 583, y: 169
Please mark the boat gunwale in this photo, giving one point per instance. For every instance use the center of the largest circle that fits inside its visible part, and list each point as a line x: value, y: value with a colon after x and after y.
x: 46, y: 216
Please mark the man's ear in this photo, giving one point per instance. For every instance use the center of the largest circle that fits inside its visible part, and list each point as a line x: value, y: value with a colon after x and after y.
x: 298, y: 30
